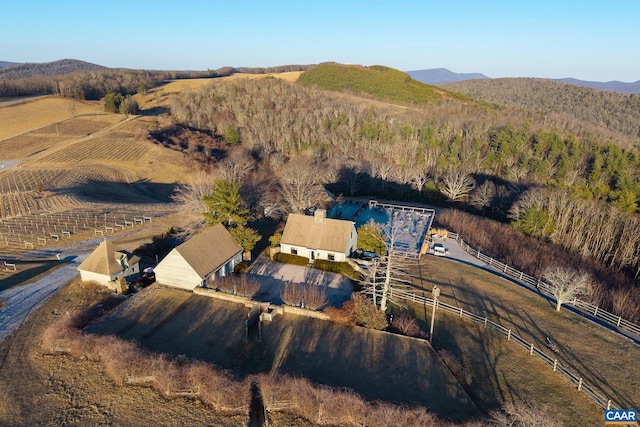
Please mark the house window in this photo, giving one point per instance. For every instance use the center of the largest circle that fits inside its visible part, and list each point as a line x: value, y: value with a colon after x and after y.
x: 331, y: 257
x: 294, y: 251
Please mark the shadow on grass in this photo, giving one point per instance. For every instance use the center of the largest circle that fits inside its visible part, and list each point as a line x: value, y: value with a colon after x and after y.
x: 29, y: 271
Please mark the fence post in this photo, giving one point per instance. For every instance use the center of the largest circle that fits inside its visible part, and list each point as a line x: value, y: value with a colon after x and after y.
x: 608, y: 404
x: 478, y: 255
x: 619, y: 320
x: 509, y: 335
x: 555, y: 364
x: 580, y: 384
x: 531, y: 350
x: 461, y: 312
x: 485, y: 323
x: 595, y: 312
x: 505, y: 268
x: 521, y: 275
x: 490, y: 260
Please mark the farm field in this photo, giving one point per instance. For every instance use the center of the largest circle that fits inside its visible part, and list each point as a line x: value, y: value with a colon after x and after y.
x: 374, y: 364
x: 35, y: 114
x: 601, y: 357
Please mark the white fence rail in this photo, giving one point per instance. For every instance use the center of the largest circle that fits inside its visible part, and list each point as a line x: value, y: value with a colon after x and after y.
x: 553, y: 363
x: 546, y: 289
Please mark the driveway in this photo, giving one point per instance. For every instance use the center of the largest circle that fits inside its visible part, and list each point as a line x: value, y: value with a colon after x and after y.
x: 273, y: 275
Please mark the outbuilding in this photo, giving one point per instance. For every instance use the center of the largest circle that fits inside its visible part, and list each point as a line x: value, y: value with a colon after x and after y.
x: 206, y: 256
x: 106, y: 264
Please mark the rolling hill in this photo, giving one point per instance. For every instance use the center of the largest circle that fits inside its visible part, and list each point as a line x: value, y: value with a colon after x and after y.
x: 378, y: 81
x: 613, y: 86
x: 55, y: 68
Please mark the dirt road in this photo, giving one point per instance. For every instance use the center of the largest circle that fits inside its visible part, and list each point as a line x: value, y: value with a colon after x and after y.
x: 24, y: 299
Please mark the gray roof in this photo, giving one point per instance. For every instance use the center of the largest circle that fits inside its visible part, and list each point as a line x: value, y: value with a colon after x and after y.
x: 207, y: 251
x: 310, y: 232
x: 105, y: 259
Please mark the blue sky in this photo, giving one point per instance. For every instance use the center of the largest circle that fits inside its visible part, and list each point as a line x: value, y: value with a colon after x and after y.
x: 589, y: 40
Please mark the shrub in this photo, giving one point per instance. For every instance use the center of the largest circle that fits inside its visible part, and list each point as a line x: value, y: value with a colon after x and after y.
x: 344, y: 315
x: 290, y: 259
x: 405, y: 325
x: 336, y: 267
x: 292, y: 294
x: 366, y: 314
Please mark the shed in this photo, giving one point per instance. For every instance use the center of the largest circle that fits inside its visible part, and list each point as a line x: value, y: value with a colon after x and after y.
x: 106, y: 264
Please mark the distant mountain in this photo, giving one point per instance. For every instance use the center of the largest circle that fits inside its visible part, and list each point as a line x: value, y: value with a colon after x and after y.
x: 7, y: 64
x: 442, y: 75
x: 55, y: 68
x: 613, y: 86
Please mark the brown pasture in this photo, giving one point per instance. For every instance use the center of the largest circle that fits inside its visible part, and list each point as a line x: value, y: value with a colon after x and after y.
x: 35, y: 114
x: 504, y: 370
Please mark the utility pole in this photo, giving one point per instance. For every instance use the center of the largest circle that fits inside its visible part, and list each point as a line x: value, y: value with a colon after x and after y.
x: 436, y: 293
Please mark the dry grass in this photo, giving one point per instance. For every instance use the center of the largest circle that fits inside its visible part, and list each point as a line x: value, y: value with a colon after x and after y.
x: 20, y: 118
x: 502, y: 371
x: 128, y: 364
x: 176, y: 322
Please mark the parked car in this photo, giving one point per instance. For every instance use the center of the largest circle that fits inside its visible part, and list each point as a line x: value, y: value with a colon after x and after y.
x: 439, y: 249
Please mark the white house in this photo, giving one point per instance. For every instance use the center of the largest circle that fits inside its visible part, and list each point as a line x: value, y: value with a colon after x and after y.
x: 207, y: 255
x: 105, y: 265
x: 319, y: 237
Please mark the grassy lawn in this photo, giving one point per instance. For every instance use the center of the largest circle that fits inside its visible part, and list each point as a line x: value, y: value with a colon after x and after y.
x: 376, y: 365
x: 503, y: 370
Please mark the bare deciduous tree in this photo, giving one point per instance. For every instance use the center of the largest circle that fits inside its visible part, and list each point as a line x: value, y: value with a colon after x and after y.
x: 483, y: 195
x: 456, y: 184
x: 301, y: 185
x: 566, y: 283
x: 190, y: 196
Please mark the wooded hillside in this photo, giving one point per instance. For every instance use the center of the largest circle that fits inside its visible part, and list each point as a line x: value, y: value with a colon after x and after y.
x: 615, y: 112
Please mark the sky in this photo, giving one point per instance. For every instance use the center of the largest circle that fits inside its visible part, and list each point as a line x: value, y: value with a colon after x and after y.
x: 596, y: 40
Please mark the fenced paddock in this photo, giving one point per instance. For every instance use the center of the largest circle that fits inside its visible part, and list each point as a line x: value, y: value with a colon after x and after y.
x: 553, y: 363
x: 546, y: 289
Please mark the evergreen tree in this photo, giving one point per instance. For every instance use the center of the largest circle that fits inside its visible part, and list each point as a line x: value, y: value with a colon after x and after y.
x: 225, y: 205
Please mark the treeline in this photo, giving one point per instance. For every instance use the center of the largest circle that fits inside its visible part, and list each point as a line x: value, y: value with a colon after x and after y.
x: 609, y: 110
x: 92, y: 85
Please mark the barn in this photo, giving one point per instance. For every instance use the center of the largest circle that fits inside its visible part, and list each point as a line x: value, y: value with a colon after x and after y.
x: 204, y: 257
x: 319, y: 237
x: 106, y: 264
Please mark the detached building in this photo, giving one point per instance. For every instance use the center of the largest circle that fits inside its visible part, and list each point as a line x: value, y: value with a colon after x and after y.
x: 105, y: 265
x: 210, y: 254
x: 319, y: 237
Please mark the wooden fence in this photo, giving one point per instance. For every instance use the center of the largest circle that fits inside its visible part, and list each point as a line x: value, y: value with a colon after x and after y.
x: 530, y: 348
x: 546, y: 289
